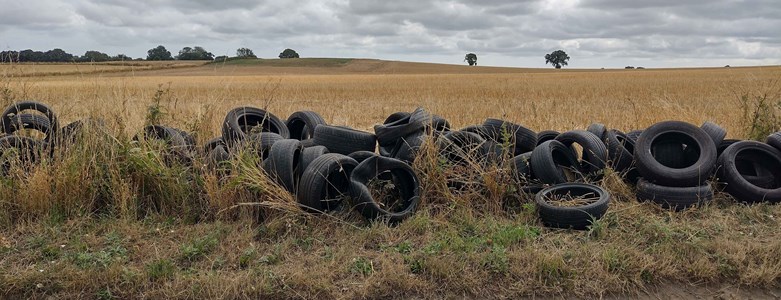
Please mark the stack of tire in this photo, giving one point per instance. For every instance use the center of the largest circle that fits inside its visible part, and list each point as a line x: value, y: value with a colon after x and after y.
x: 29, y: 129
x: 322, y: 164
x: 751, y: 170
x: 675, y: 161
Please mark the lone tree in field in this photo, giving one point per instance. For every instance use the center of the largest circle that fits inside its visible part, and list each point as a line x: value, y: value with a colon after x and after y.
x: 557, y: 58
x: 159, y: 53
x: 471, y: 58
x: 245, y: 53
x: 288, y: 53
x: 197, y: 53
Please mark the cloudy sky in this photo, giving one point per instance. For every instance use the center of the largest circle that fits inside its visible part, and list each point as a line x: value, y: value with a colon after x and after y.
x: 595, y: 33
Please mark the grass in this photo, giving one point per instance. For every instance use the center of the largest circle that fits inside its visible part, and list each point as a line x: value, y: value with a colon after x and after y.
x: 113, y: 218
x: 291, y: 62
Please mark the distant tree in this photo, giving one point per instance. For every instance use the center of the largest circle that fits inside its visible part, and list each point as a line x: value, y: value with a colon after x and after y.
x: 196, y: 53
x: 121, y: 57
x: 245, y: 53
x: 57, y: 55
x: 9, y: 56
x: 159, y: 53
x: 221, y: 58
x: 471, y: 58
x: 31, y: 56
x: 557, y: 58
x: 288, y: 53
x: 94, y: 56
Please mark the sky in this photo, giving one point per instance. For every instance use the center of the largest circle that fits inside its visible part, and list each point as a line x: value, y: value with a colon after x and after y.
x: 595, y: 33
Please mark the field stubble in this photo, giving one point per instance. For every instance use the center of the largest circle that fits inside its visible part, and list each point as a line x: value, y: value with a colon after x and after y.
x: 109, y: 219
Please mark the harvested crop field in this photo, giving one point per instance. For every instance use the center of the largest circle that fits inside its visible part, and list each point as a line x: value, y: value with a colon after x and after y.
x: 112, y: 220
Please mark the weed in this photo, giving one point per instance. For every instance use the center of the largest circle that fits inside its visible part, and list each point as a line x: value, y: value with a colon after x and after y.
x: 160, y: 269
x: 362, y: 266
x: 198, y: 248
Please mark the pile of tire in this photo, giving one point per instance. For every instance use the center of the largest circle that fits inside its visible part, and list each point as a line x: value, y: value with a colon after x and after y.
x: 331, y: 168
x: 751, y: 170
x: 30, y: 129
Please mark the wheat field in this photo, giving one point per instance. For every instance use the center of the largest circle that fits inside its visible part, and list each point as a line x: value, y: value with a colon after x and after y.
x: 82, y: 225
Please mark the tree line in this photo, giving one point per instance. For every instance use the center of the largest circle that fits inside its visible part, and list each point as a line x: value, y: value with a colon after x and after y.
x: 156, y: 53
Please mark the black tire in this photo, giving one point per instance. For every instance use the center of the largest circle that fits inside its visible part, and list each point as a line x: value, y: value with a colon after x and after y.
x: 724, y: 144
x: 522, y: 139
x: 594, y: 156
x: 325, y: 182
x: 552, y: 162
x: 70, y: 132
x: 576, y: 217
x: 598, y: 129
x: 405, y: 182
x: 520, y: 168
x: 677, y: 198
x: 546, y: 135
x: 774, y: 140
x: 360, y: 156
x: 634, y: 134
x: 461, y: 147
x: 308, y: 155
x: 714, y: 131
x: 215, y: 152
x: 240, y: 121
x: 344, y: 140
x: 396, y: 116
x: 308, y: 143
x: 438, y: 125
x: 764, y: 159
x: 15, y: 110
x: 189, y: 139
x: 283, y: 162
x: 177, y: 148
x: 390, y: 133
x: 620, y: 149
x: 25, y: 148
x: 30, y: 121
x: 260, y: 143
x: 692, y: 171
x: 301, y: 124
x: 407, y: 148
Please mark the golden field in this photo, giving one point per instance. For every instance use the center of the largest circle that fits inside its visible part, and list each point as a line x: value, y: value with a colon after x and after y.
x: 108, y: 219
x: 362, y: 93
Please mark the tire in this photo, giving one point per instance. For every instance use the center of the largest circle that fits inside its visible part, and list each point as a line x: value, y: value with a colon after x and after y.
x: 308, y: 143
x: 360, y: 156
x: 405, y: 182
x: 677, y: 198
x: 594, y: 156
x: 598, y: 129
x: 407, y: 148
x: 25, y: 148
x: 396, y: 116
x: 325, y: 182
x: 461, y: 147
x: 70, y: 132
x: 692, y: 172
x: 714, y: 131
x: 240, y: 121
x: 763, y: 157
x: 546, y: 135
x: 774, y: 140
x: 620, y: 149
x: 215, y: 152
x: 634, y: 134
x: 438, y: 125
x: 390, y: 133
x: 552, y: 162
x: 308, y: 155
x: 301, y: 124
x: 260, y: 143
x: 519, y: 167
x: 30, y: 121
x: 344, y: 140
x: 576, y: 217
x: 283, y: 163
x: 724, y: 144
x: 177, y: 148
x: 16, y: 109
x: 522, y: 138
x: 189, y: 139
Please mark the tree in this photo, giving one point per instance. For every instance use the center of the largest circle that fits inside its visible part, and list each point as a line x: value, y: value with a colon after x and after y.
x: 158, y: 53
x: 196, y: 53
x: 94, y: 56
x: 121, y: 57
x: 57, y: 55
x: 288, y: 53
x: 557, y: 58
x: 245, y: 53
x: 471, y: 58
